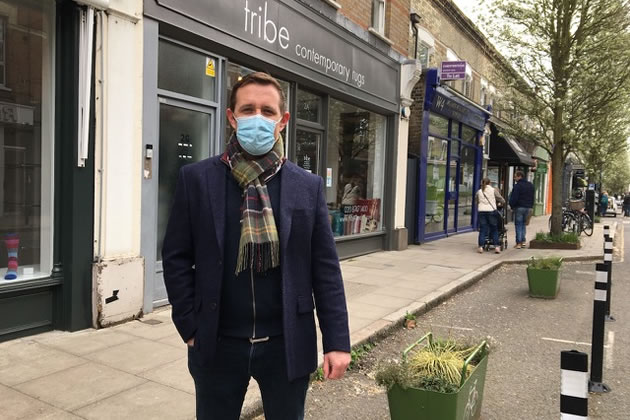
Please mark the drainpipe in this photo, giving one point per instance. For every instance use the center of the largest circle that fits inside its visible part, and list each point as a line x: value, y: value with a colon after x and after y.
x: 415, y: 19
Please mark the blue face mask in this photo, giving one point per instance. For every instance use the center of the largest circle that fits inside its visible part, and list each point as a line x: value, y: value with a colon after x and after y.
x: 255, y: 134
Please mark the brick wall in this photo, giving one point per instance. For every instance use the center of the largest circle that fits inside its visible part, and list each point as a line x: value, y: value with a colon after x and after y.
x: 415, y: 120
x: 396, y: 19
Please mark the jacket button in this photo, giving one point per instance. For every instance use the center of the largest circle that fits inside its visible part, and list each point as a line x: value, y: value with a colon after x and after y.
x: 213, y: 306
x: 220, y: 261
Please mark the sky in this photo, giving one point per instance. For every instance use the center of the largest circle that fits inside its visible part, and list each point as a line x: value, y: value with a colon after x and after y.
x: 470, y: 8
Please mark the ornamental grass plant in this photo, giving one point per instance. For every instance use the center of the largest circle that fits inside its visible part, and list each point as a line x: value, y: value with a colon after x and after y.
x: 545, y: 263
x: 436, y: 367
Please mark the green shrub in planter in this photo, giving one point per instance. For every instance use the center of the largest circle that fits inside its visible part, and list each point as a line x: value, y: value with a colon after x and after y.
x: 543, y: 277
x: 442, y: 380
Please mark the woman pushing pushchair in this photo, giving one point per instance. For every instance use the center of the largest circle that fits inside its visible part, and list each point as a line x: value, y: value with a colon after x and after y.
x: 488, y: 199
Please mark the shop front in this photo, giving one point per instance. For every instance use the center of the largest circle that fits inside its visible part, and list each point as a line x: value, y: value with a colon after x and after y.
x: 343, y: 97
x: 45, y: 256
x: 449, y: 167
x: 506, y: 156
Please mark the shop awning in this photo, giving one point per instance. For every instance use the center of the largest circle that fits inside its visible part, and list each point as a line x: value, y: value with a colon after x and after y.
x: 506, y: 149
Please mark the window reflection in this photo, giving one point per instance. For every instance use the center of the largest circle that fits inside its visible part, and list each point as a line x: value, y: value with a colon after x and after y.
x: 355, y: 169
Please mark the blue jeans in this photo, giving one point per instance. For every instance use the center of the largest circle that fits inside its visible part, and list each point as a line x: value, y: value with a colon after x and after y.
x: 520, y: 215
x: 488, y: 228
x: 220, y: 388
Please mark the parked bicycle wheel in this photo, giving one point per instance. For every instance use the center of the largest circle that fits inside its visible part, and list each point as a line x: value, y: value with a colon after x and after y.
x: 587, y: 224
x: 570, y: 223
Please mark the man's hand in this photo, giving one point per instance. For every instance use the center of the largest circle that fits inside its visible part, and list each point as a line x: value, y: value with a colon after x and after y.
x: 335, y: 364
x: 191, y: 342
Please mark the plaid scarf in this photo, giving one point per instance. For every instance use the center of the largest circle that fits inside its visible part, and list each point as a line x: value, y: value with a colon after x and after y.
x: 259, y: 246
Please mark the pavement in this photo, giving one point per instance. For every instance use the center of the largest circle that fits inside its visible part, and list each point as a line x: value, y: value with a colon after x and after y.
x: 139, y: 369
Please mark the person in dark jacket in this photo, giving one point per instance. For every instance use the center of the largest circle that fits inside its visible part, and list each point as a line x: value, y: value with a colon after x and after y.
x: 626, y: 204
x: 248, y: 255
x: 521, y: 202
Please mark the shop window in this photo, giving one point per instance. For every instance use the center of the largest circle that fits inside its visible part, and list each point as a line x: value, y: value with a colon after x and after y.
x: 438, y: 125
x: 236, y: 72
x: 355, y: 169
x: 309, y: 132
x: 187, y: 71
x: 26, y: 140
x: 467, y: 86
x: 308, y: 106
x: 469, y: 135
x: 424, y: 54
x: 378, y: 16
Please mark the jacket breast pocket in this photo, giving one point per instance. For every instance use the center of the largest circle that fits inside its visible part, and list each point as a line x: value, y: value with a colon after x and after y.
x: 305, y: 304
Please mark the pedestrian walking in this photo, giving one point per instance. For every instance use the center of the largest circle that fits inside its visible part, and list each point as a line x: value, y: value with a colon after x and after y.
x: 521, y: 202
x: 488, y: 215
x: 248, y: 255
x: 626, y: 204
x: 603, y: 204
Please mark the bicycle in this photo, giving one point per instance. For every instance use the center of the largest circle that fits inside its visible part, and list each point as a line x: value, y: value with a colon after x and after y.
x: 575, y: 221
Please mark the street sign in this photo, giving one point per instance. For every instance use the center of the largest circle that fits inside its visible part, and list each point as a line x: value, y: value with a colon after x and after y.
x: 453, y: 70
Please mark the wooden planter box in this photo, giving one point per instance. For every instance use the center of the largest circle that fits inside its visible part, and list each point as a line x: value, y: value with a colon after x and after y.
x: 534, y: 244
x: 543, y: 283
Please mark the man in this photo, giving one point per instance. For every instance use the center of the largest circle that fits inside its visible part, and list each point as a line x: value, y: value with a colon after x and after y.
x: 247, y: 249
x: 522, y: 203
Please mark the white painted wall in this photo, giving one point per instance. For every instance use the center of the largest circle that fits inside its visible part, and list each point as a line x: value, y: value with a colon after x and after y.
x: 118, y: 159
x: 409, y: 76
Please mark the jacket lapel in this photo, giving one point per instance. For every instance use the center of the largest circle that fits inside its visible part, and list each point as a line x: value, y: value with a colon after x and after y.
x: 288, y: 195
x: 216, y: 174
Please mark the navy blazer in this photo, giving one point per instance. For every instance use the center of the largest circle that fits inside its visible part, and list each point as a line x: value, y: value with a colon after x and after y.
x: 192, y: 257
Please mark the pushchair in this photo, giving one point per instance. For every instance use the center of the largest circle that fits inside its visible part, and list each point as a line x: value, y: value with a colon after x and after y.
x: 503, y: 232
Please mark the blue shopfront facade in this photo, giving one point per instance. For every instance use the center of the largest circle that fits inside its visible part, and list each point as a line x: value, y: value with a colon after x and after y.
x: 450, y: 164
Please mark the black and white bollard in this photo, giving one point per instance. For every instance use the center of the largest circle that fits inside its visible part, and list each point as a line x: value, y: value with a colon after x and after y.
x: 574, y: 385
x: 608, y: 258
x: 595, y: 384
x: 606, y: 231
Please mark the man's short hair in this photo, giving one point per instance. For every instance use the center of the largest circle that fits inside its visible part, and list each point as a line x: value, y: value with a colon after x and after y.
x: 519, y: 174
x: 258, y: 78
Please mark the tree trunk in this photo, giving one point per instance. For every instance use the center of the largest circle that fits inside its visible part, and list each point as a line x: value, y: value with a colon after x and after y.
x: 557, y: 175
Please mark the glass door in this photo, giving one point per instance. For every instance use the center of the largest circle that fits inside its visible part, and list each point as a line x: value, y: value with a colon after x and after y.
x: 466, y: 185
x: 452, y: 195
x: 307, y: 147
x: 185, y: 136
x: 436, y: 186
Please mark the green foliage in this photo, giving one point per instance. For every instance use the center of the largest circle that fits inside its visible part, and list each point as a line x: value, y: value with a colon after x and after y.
x: 563, y: 237
x: 318, y: 375
x: 357, y: 353
x: 554, y: 89
x: 410, y: 316
x: 444, y: 360
x: 545, y: 263
x: 435, y: 367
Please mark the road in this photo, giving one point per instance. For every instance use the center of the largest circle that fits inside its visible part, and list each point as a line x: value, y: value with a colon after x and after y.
x: 527, y: 336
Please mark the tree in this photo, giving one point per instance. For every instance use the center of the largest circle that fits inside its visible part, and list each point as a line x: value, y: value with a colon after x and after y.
x: 572, y: 66
x: 616, y: 174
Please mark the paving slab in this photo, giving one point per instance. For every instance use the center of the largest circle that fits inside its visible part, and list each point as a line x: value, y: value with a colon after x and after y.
x: 15, y: 405
x: 79, y: 386
x: 138, y: 355
x: 174, y: 374
x: 86, y: 341
x: 149, y: 401
x: 25, y: 360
